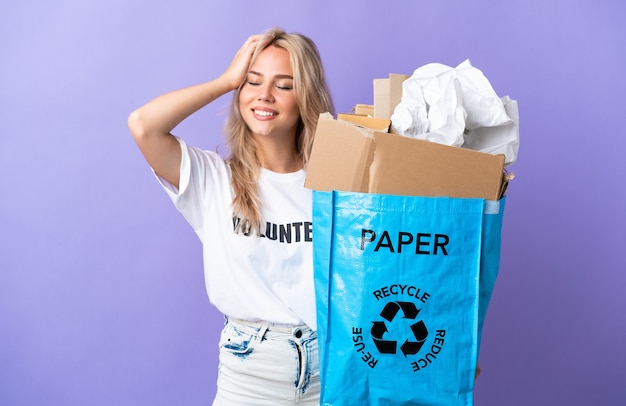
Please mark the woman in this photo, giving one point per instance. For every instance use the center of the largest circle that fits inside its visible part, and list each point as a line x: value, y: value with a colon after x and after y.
x: 252, y: 212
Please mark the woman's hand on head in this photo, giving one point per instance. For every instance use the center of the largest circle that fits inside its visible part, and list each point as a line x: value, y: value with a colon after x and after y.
x: 238, y: 68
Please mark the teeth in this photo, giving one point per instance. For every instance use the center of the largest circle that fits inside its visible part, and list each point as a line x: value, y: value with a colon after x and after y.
x: 264, y: 113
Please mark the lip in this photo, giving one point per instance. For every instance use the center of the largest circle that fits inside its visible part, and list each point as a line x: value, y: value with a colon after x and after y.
x: 256, y: 110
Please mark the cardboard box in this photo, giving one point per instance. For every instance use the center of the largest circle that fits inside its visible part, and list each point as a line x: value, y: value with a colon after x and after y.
x: 387, y: 94
x: 364, y: 109
x: 341, y: 156
x: 374, y: 123
x: 353, y: 158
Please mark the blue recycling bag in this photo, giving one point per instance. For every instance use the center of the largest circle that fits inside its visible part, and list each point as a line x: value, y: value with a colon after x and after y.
x: 402, y: 288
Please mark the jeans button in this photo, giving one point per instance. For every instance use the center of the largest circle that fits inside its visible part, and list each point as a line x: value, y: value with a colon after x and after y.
x: 297, y: 333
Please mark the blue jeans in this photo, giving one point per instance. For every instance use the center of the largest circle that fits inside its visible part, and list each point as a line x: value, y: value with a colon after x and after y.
x: 265, y: 364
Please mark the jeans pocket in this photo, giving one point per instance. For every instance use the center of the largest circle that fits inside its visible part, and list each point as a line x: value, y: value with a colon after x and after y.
x: 237, y: 341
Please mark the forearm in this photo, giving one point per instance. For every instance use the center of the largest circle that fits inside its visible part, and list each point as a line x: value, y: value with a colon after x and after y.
x: 162, y: 114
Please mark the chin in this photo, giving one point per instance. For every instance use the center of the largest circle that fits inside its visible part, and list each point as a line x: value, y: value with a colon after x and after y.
x: 260, y: 132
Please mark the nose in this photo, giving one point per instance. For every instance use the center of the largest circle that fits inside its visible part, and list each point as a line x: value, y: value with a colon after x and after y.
x: 266, y: 93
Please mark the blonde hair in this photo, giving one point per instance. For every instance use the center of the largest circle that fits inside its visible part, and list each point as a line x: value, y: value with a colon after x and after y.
x: 312, y: 97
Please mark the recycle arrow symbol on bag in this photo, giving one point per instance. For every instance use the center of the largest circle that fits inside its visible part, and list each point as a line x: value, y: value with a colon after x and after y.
x: 418, y: 329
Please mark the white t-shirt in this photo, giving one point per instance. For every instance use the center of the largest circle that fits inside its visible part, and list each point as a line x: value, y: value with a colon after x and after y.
x: 267, y: 277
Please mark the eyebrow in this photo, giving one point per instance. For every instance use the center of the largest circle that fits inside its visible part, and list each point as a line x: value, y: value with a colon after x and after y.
x: 279, y: 76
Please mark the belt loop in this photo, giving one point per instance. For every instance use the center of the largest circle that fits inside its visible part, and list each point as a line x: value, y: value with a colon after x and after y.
x: 262, y: 331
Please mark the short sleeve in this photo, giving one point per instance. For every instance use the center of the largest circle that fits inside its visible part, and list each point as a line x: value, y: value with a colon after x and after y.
x: 203, y: 175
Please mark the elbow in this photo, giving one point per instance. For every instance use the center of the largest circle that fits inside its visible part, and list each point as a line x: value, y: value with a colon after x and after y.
x: 136, y: 125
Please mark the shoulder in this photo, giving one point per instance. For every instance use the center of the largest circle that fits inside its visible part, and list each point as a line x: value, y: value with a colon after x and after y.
x: 202, y: 157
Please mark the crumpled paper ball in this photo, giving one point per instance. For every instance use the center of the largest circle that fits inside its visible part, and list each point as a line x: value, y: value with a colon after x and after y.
x: 457, y: 107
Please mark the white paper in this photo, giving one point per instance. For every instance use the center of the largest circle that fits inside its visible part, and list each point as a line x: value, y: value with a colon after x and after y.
x: 458, y: 107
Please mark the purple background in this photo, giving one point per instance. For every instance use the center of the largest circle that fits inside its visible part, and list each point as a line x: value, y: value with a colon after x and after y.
x: 101, y: 288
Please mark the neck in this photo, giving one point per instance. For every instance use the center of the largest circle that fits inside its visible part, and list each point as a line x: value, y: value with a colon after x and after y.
x: 279, y: 156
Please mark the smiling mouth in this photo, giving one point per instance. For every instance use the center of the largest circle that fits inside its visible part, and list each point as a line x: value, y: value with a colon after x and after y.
x: 263, y: 113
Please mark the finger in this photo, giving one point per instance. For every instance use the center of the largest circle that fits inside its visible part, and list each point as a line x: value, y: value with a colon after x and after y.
x: 252, y: 40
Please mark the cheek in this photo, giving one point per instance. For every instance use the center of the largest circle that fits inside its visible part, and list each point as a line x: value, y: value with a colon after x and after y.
x: 244, y: 101
x: 292, y: 105
x: 243, y: 96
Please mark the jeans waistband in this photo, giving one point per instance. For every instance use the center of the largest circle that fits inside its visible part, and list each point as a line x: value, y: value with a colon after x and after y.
x: 269, y: 330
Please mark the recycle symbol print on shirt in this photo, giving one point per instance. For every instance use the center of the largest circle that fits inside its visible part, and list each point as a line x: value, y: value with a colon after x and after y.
x: 399, y: 327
